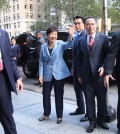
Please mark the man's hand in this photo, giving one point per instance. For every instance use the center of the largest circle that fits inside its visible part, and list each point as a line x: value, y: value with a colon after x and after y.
x: 19, y: 84
x: 106, y: 80
x: 80, y: 80
x: 101, y: 71
x: 40, y: 80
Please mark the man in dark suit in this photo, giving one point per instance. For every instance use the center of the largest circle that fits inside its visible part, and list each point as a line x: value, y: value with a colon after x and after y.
x: 80, y: 32
x: 92, y: 50
x: 9, y: 75
x: 114, y: 53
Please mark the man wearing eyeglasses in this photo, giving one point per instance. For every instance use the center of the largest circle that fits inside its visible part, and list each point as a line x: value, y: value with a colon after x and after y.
x: 80, y: 32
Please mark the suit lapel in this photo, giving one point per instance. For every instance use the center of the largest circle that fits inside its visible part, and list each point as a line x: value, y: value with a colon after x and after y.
x: 96, y: 40
x: 1, y: 41
x: 47, y: 51
x: 55, y: 47
x: 85, y: 43
x: 77, y: 38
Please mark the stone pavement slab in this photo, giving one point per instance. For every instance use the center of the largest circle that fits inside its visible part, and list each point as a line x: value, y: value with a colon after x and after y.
x: 28, y: 108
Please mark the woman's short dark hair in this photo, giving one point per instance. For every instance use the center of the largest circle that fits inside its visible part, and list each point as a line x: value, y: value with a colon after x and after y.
x: 13, y: 38
x: 51, y: 29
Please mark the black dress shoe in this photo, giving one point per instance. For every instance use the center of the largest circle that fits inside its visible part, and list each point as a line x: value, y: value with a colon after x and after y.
x: 91, y: 128
x: 59, y: 121
x: 103, y: 125
x: 118, y: 131
x: 43, y: 118
x: 85, y: 118
x: 77, y: 113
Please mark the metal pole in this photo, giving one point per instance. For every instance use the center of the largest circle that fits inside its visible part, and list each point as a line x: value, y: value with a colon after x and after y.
x: 105, y: 17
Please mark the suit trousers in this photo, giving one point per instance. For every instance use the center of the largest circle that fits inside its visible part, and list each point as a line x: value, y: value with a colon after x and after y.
x: 6, y: 107
x: 79, y: 95
x: 59, y: 91
x: 118, y: 106
x: 95, y: 88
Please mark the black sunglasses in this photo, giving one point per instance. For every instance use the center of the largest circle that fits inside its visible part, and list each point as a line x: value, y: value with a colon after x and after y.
x: 77, y: 23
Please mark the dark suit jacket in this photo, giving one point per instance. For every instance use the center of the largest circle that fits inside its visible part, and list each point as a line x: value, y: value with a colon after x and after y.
x: 114, y: 53
x: 90, y: 62
x: 74, y: 50
x: 9, y: 64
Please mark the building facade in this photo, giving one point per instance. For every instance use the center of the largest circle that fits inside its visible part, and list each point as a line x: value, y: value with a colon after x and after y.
x: 20, y: 15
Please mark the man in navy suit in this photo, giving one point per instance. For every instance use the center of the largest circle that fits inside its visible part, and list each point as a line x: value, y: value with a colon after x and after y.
x: 80, y: 32
x: 114, y: 54
x: 92, y: 50
x: 9, y: 75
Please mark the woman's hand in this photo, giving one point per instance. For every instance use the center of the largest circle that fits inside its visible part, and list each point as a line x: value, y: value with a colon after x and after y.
x: 71, y: 32
x: 40, y: 80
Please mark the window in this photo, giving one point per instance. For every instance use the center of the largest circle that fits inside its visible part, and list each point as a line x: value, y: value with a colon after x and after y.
x: 18, y: 16
x: 14, y: 25
x: 18, y: 24
x: 17, y: 6
x: 26, y: 15
x: 13, y: 8
x: 39, y: 16
x: 31, y: 7
x: 31, y: 15
x: 4, y: 18
x: 14, y: 17
x: 25, y: 6
x: 9, y: 18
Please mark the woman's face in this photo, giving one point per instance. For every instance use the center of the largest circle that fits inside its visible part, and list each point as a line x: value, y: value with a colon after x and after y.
x: 52, y: 37
x: 13, y: 41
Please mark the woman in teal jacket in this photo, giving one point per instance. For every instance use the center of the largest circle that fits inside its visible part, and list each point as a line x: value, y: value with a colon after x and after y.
x: 53, y: 71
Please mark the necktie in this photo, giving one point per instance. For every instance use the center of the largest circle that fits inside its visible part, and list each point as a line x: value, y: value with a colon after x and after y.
x: 90, y: 43
x: 1, y: 66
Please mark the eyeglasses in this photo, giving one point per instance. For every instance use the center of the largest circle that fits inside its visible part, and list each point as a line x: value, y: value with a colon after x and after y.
x: 77, y: 23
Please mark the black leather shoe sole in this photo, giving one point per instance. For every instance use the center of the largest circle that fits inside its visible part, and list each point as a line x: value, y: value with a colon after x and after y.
x: 103, y: 125
x: 59, y: 121
x: 76, y: 113
x: 83, y: 119
x: 91, y: 128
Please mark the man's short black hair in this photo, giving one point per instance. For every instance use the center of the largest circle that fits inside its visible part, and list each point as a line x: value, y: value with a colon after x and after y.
x: 38, y: 32
x: 90, y: 17
x: 79, y: 17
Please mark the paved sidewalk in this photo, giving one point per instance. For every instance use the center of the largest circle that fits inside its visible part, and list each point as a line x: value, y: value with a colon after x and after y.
x: 28, y: 108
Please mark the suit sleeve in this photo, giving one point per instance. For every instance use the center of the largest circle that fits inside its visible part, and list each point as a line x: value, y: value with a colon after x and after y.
x: 41, y: 62
x: 106, y: 49
x: 66, y: 45
x: 111, y: 56
x: 79, y: 59
x: 13, y: 64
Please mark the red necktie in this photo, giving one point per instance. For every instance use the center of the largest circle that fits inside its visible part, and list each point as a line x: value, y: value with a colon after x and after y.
x: 91, y: 41
x: 1, y: 65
